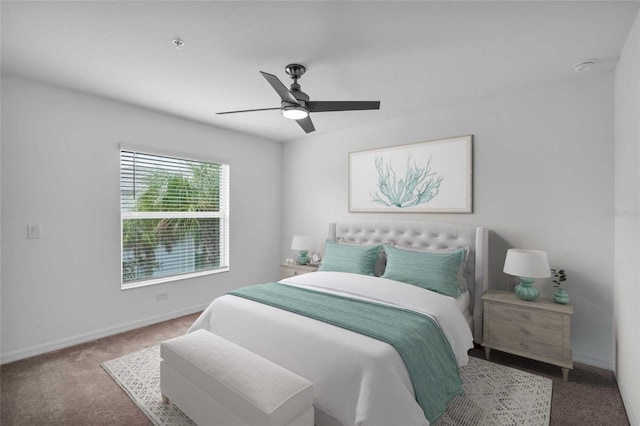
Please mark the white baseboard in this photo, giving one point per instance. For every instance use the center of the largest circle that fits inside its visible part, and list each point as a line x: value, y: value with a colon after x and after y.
x: 583, y: 358
x: 98, y: 334
x: 634, y: 419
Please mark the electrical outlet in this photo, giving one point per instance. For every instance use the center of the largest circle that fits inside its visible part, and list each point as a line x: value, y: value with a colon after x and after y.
x: 33, y: 231
x: 162, y: 296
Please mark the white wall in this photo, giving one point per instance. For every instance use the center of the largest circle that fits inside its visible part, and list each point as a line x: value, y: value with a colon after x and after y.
x: 543, y: 179
x: 60, y: 168
x: 627, y: 221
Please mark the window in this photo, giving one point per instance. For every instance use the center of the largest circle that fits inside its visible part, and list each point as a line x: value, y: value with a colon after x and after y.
x: 174, y: 217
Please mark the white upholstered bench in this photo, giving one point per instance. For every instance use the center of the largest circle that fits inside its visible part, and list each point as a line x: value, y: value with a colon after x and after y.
x: 217, y: 382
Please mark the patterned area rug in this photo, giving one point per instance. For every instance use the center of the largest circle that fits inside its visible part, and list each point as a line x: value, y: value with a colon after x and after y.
x: 494, y: 395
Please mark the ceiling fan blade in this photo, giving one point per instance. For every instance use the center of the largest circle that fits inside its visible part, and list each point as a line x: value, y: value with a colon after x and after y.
x: 247, y: 110
x: 325, y: 106
x: 282, y: 90
x: 306, y: 124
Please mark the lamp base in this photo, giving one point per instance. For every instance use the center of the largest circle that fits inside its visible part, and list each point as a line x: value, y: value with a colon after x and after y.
x: 303, y: 259
x: 525, y: 290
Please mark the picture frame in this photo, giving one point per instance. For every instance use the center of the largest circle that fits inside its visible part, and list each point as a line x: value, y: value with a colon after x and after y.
x: 425, y: 177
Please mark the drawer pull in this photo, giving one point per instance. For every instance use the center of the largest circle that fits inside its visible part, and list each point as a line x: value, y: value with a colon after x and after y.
x: 525, y: 316
x: 524, y: 345
x: 524, y: 331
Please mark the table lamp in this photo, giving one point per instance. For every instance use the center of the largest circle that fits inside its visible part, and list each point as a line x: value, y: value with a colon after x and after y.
x: 528, y: 265
x: 302, y: 243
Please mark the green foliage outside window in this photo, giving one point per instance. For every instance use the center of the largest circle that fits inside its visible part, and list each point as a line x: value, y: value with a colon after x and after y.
x: 173, y: 192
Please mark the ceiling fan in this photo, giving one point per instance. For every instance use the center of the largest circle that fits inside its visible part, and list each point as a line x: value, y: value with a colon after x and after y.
x: 295, y: 104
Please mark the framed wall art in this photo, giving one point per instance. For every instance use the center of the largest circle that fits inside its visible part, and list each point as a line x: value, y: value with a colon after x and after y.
x: 425, y: 177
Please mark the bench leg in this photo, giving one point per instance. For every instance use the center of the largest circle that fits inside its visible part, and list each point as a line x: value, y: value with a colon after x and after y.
x: 165, y: 399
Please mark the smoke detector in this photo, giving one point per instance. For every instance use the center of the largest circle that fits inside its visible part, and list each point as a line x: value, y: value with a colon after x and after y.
x: 585, y: 65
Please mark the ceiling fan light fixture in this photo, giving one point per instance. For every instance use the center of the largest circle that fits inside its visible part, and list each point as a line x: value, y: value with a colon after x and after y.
x: 295, y: 112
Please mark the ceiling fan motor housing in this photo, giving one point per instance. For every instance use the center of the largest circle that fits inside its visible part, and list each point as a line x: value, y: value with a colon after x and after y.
x: 299, y: 94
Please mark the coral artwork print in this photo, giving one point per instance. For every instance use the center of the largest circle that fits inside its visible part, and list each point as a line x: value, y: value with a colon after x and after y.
x: 422, y: 177
x: 418, y: 186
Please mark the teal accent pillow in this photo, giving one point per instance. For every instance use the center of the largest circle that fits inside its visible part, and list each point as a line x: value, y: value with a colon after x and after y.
x: 433, y: 271
x: 462, y: 281
x: 346, y: 258
x: 381, y: 260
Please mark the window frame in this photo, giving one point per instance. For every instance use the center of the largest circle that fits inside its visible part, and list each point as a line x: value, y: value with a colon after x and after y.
x: 223, y: 214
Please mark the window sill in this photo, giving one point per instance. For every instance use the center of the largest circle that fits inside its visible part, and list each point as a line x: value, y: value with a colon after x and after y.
x: 145, y: 283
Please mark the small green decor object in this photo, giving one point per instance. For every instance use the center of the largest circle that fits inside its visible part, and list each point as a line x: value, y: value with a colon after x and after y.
x: 560, y: 296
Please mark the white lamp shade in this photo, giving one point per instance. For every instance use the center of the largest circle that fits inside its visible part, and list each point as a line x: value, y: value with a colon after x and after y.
x: 301, y: 242
x: 527, y: 263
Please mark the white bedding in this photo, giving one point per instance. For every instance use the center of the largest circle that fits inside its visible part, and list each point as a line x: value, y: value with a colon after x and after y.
x: 358, y: 380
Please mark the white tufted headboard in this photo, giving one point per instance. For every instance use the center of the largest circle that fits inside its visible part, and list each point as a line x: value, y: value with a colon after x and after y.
x: 429, y: 235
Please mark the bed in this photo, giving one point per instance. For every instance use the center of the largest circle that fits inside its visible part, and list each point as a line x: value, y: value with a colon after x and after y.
x: 360, y: 380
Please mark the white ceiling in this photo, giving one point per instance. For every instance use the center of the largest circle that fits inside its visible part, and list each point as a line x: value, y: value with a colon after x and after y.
x: 412, y: 56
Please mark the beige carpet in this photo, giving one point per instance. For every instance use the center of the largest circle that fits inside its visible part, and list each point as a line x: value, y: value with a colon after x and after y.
x: 494, y: 394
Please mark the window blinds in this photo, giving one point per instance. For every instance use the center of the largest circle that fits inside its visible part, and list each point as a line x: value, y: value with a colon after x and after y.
x: 175, y: 217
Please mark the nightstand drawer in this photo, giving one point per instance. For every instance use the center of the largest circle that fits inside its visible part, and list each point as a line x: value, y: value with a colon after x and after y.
x: 525, y: 347
x: 288, y: 271
x: 526, y: 329
x: 543, y: 319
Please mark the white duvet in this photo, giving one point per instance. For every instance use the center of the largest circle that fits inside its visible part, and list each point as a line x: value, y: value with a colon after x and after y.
x: 357, y: 380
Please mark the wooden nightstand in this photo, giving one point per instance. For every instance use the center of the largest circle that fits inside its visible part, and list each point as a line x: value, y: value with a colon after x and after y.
x: 539, y: 330
x: 287, y: 271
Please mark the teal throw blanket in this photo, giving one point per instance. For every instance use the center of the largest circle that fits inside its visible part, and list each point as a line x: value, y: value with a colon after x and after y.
x: 417, y: 338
